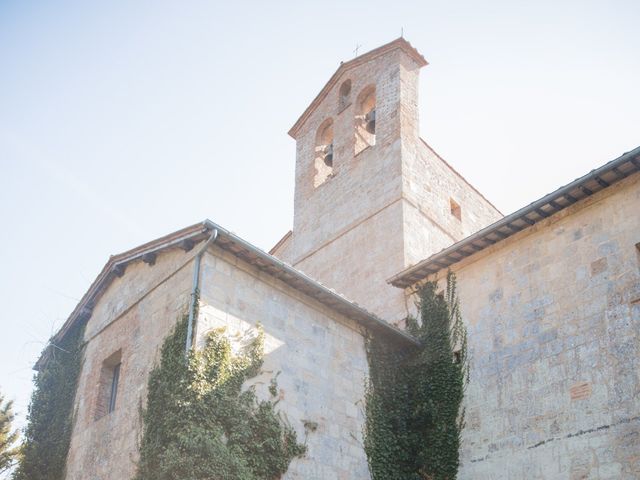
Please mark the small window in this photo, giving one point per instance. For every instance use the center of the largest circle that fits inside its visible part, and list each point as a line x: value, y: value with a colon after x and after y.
x: 345, y: 94
x: 108, y: 384
x: 456, y: 211
x: 114, y: 388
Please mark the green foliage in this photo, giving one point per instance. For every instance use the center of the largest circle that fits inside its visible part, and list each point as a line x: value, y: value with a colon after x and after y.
x: 413, y: 399
x: 8, y: 452
x: 50, y: 419
x: 199, y: 423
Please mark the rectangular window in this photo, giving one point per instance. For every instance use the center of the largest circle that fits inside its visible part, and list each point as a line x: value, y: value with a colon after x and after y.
x: 456, y: 211
x: 114, y: 388
x: 108, y: 383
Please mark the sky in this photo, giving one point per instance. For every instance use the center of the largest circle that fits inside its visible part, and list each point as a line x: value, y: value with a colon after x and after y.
x: 124, y: 121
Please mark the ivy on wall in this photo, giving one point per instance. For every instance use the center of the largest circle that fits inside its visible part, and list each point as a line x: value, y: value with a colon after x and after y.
x: 200, y: 424
x: 50, y: 419
x: 413, y: 399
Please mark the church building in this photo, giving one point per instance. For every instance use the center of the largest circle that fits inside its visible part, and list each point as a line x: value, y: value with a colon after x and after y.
x: 550, y: 296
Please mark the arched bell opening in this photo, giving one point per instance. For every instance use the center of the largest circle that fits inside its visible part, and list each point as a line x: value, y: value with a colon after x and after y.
x: 323, y: 162
x: 365, y: 119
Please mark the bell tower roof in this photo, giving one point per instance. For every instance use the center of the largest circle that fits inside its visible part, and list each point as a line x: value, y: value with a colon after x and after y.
x: 398, y: 43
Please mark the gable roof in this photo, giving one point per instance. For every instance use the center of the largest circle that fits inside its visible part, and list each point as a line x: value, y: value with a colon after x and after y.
x: 398, y: 43
x: 187, y: 239
x: 550, y: 204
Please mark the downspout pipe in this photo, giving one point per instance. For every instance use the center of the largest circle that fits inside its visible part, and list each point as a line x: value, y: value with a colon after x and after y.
x: 195, y: 287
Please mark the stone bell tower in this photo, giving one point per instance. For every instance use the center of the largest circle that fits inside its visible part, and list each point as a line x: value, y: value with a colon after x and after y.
x: 364, y: 206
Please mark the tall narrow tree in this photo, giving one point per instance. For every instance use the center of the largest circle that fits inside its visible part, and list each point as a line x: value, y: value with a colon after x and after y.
x: 48, y: 432
x: 8, y: 436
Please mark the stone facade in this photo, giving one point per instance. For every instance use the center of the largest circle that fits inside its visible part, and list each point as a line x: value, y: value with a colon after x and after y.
x: 320, y: 357
x: 133, y: 316
x: 553, y: 318
x: 319, y: 353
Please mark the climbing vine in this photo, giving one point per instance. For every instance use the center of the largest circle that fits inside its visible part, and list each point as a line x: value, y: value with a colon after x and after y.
x: 50, y: 419
x: 200, y: 423
x: 414, y: 398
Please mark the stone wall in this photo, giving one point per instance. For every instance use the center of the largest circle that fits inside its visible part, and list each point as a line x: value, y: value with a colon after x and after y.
x: 553, y: 316
x: 320, y: 357
x: 132, y: 318
x: 429, y: 187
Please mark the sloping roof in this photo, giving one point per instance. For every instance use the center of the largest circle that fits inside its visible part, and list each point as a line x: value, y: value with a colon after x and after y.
x: 187, y: 239
x: 398, y: 43
x: 550, y: 204
x: 281, y: 242
x: 303, y: 283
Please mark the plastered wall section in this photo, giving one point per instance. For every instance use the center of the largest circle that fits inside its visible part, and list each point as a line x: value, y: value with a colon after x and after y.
x: 320, y: 357
x: 134, y: 315
x: 553, y: 317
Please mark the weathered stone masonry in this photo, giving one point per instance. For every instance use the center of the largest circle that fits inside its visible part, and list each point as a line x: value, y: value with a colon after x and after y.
x: 553, y: 315
x: 314, y: 346
x: 133, y: 316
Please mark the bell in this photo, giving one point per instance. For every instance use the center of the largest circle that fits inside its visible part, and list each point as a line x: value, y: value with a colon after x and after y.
x: 328, y: 157
x: 371, y: 126
x: 370, y: 118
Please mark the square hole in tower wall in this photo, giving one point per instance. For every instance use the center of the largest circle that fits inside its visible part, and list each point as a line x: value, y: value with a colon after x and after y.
x: 108, y: 384
x: 456, y: 211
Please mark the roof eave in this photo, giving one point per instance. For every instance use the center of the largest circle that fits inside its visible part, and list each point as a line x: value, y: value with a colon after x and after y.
x: 243, y: 250
x: 298, y: 280
x: 85, y: 306
x: 583, y: 187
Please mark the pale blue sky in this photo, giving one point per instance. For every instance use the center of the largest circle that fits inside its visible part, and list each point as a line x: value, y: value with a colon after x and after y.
x: 123, y: 121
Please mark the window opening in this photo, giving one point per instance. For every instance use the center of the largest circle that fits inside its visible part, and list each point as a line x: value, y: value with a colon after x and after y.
x: 114, y: 388
x: 324, y: 153
x: 365, y: 119
x: 456, y: 211
x: 108, y: 385
x: 345, y: 92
